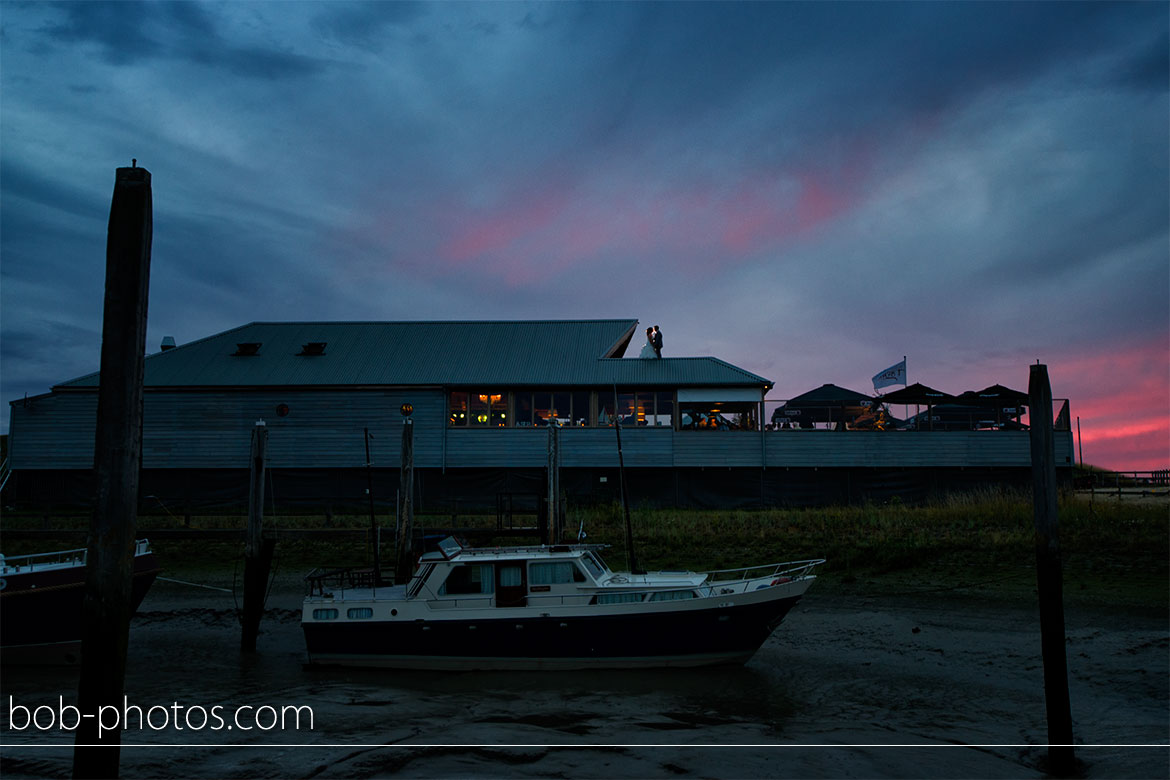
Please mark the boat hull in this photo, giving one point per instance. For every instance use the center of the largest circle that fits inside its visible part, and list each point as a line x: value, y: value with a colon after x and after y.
x: 41, y: 611
x: 681, y: 637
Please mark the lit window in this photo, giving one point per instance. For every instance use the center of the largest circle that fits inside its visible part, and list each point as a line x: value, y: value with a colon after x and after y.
x: 718, y: 416
x: 457, y: 409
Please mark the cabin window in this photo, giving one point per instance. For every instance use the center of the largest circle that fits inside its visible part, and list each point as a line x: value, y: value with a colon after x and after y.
x: 618, y: 598
x: 672, y: 595
x: 468, y: 579
x: 359, y: 613
x: 554, y: 573
x: 324, y: 614
x: 511, y: 575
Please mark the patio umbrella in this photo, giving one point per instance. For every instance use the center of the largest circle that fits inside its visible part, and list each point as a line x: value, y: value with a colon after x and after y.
x: 995, y: 395
x: 1002, y: 399
x: 919, y: 394
x: 827, y: 403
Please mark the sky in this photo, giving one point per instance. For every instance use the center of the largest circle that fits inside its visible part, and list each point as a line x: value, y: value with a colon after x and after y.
x: 807, y: 190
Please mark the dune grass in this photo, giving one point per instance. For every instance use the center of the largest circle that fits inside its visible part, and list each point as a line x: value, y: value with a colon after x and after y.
x: 992, y: 531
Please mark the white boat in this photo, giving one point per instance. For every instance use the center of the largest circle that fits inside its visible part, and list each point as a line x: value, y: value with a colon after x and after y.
x: 546, y: 607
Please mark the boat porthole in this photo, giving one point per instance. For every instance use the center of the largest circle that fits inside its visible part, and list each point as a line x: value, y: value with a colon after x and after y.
x: 393, y: 613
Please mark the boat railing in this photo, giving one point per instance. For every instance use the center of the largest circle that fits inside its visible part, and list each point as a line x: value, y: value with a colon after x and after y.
x: 57, y: 559
x: 528, y: 550
x: 321, y: 581
x: 790, y: 569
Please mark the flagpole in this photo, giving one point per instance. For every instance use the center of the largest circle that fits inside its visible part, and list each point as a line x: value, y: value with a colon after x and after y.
x: 906, y: 407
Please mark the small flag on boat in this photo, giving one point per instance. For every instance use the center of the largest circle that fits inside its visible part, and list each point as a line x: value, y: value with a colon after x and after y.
x: 894, y: 375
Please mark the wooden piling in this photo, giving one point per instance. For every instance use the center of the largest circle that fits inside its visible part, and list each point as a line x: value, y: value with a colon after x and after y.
x: 1048, y: 575
x: 404, y: 563
x: 375, y: 531
x: 631, y: 558
x: 554, y: 520
x: 105, y: 621
x: 257, y: 549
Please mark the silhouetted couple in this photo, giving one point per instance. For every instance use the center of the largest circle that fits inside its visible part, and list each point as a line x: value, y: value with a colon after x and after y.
x: 653, y: 345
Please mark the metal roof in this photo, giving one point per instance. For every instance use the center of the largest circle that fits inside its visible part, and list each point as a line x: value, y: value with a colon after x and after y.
x: 512, y: 353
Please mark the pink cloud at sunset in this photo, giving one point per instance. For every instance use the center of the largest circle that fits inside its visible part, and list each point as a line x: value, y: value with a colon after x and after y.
x: 529, y: 238
x: 1122, y: 398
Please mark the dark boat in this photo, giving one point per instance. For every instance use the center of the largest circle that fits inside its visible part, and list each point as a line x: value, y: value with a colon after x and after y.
x: 41, y: 599
x: 546, y: 607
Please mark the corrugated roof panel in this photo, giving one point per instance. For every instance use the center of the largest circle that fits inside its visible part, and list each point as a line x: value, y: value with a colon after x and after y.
x: 556, y: 352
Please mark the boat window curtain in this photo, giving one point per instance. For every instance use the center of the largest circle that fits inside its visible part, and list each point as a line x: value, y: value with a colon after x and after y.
x: 673, y: 595
x: 619, y: 598
x: 554, y: 573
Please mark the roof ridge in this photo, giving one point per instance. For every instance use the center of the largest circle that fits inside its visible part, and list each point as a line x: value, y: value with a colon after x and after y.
x: 424, y: 322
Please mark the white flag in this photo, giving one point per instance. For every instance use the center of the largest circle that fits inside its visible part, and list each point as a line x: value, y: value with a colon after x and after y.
x: 894, y: 375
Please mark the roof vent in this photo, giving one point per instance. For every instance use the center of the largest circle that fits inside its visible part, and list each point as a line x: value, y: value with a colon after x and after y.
x: 313, y: 348
x: 247, y: 348
x: 168, y: 342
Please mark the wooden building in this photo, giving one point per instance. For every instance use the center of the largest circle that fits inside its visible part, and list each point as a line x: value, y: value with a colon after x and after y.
x: 486, y: 397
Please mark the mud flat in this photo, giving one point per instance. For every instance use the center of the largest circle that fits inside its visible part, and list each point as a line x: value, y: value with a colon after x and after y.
x: 849, y: 677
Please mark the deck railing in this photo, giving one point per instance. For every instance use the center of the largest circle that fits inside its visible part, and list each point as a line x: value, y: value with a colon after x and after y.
x: 1121, y: 483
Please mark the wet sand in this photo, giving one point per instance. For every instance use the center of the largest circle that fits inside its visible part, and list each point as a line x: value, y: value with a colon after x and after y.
x: 937, y: 671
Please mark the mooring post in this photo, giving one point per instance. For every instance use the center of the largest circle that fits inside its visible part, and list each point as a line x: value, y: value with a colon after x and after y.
x: 404, y: 563
x: 105, y: 619
x: 375, y: 531
x: 1048, y: 574
x: 553, y: 523
x: 257, y: 549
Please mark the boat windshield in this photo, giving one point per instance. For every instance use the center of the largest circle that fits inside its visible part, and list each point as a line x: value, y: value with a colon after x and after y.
x: 594, y: 564
x: 449, y: 547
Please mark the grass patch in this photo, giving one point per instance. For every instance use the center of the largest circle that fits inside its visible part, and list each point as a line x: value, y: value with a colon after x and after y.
x: 1110, y: 550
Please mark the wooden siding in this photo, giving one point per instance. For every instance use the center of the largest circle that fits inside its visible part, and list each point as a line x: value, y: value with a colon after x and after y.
x: 881, y: 449
x: 717, y: 448
x: 186, y: 429
x: 53, y: 432
x: 324, y: 429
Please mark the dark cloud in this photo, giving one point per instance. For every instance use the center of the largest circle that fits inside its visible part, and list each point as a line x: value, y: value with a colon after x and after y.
x: 46, y: 189
x: 133, y: 32
x: 365, y: 25
x: 954, y: 181
x: 1148, y: 69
